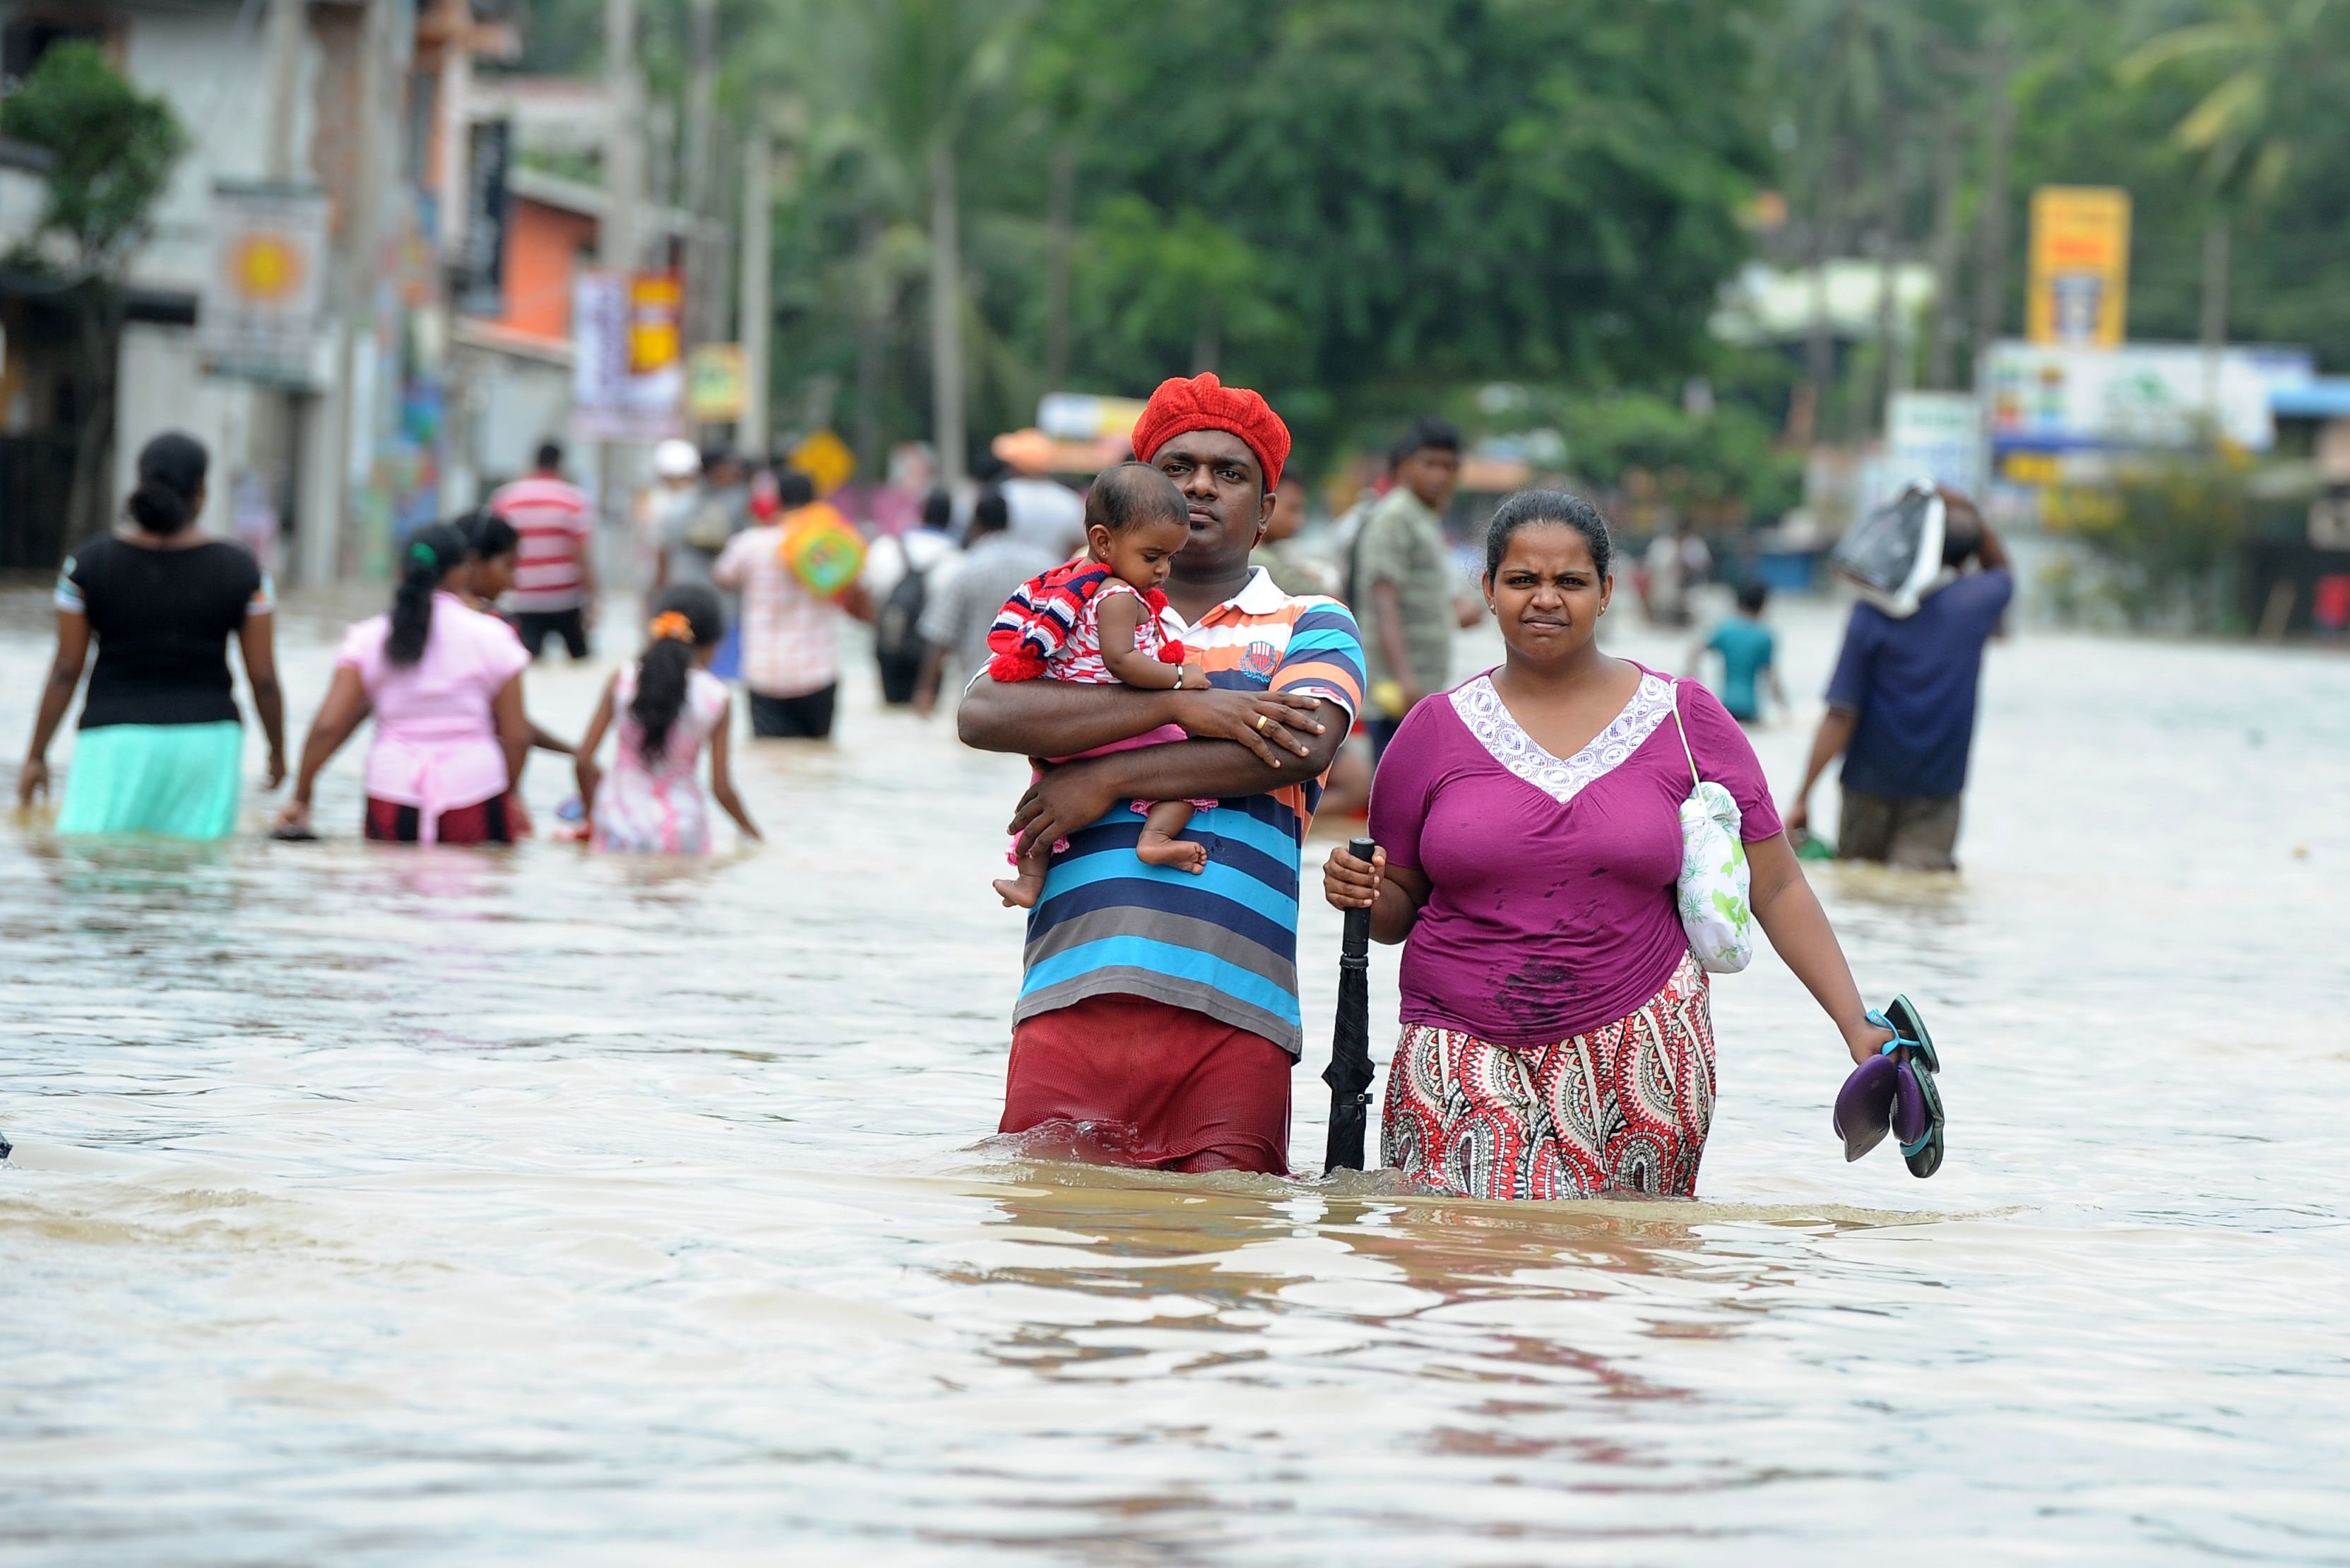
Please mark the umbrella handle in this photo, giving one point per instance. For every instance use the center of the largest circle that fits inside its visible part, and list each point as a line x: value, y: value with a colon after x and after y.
x: 1354, y: 940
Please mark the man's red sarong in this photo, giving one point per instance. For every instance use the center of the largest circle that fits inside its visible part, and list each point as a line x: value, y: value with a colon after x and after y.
x: 1123, y: 1080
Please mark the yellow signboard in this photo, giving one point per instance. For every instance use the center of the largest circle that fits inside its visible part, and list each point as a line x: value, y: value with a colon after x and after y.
x: 2079, y: 291
x: 825, y: 459
x: 714, y: 383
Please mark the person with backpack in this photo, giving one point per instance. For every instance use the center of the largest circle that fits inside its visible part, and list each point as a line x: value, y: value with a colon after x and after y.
x: 902, y: 573
x: 954, y: 628
x: 700, y: 529
x: 790, y: 625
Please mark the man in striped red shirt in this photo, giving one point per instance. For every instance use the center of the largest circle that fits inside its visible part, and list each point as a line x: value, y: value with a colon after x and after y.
x: 555, y: 577
x: 1157, y: 1019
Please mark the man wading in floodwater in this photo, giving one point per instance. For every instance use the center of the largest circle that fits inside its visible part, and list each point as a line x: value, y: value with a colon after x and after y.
x: 1157, y: 1019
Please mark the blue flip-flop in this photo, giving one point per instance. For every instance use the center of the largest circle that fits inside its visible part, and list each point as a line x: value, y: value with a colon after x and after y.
x: 1917, y: 1097
x: 1895, y: 1092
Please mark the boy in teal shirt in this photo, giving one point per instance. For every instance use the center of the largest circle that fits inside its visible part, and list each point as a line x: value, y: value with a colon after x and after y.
x: 1747, y: 650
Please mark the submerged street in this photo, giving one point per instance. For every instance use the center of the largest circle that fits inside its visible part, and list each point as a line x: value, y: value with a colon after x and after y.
x: 370, y: 1203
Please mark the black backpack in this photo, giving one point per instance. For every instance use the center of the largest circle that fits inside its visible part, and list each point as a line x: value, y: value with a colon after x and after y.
x: 897, y: 648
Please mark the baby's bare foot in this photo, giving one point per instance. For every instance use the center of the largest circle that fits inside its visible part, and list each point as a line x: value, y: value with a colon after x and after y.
x: 1018, y: 892
x: 1181, y: 853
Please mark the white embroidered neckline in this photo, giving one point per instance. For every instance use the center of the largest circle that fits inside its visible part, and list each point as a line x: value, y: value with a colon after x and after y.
x: 1488, y: 718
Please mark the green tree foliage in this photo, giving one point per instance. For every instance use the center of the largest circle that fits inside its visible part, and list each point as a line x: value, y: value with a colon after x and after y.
x: 1347, y: 203
x: 1440, y: 191
x: 115, y: 150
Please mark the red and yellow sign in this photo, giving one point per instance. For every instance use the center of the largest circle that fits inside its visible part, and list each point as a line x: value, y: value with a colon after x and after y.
x: 2079, y: 289
x: 655, y: 322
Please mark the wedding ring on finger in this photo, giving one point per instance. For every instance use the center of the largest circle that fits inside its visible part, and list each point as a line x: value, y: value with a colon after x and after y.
x: 1260, y: 723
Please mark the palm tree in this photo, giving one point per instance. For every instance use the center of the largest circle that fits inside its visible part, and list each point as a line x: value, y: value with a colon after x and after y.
x: 2281, y: 82
x: 1862, y: 62
x: 929, y: 67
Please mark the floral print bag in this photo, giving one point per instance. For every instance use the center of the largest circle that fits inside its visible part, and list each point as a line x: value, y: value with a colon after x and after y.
x: 1713, y: 881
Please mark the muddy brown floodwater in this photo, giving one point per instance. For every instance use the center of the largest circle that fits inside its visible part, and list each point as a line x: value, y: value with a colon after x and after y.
x: 372, y: 1206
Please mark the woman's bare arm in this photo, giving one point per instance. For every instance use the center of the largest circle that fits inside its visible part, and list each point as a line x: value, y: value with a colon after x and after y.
x: 721, y: 774
x: 342, y: 712
x: 513, y: 729
x: 1395, y: 894
x: 583, y: 771
x: 57, y: 696
x: 257, y: 643
x: 1798, y: 927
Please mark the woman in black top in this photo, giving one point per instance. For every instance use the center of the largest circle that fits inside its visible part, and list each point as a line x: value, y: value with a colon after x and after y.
x: 161, y: 747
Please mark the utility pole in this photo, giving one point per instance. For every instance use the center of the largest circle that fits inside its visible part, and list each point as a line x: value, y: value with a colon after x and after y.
x: 1990, y: 260
x: 340, y: 450
x: 757, y: 307
x: 2215, y: 312
x: 705, y: 312
x: 1063, y: 226
x: 617, y: 242
x: 946, y: 313
x: 623, y: 154
x: 293, y: 410
x: 1944, y: 316
x: 285, y: 45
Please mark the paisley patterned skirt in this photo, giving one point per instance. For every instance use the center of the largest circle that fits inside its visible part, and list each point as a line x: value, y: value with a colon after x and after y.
x: 1622, y: 1109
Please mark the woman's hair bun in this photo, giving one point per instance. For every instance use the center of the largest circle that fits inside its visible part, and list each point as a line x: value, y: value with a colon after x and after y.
x: 170, y: 473
x: 158, y: 508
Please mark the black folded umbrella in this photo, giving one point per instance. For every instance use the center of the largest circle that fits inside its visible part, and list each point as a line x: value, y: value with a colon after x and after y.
x: 1349, y: 1072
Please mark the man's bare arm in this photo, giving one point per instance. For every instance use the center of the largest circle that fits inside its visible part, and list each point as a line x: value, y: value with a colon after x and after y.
x: 1075, y: 795
x: 1062, y: 718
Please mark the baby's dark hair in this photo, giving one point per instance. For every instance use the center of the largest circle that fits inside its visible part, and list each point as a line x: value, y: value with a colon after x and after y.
x: 1128, y: 494
x: 1529, y: 507
x: 1752, y: 596
x: 665, y: 673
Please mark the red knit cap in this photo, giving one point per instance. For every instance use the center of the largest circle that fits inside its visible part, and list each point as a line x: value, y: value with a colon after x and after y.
x: 1204, y: 403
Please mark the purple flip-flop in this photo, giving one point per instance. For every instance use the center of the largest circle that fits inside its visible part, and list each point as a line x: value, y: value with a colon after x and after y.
x: 1864, y: 1106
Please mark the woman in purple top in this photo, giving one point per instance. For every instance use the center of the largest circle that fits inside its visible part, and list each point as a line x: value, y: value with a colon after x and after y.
x: 1556, y: 1037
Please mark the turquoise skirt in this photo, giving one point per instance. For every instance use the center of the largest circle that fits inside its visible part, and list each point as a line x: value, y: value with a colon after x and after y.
x: 175, y: 781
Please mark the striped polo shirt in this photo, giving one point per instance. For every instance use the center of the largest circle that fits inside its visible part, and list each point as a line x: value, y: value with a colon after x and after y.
x: 552, y: 518
x: 1223, y: 942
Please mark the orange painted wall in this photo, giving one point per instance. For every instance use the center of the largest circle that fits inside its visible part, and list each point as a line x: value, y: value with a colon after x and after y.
x: 544, y: 246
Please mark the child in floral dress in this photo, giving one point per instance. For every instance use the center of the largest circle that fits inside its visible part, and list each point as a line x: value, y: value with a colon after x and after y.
x: 668, y: 708
x: 1102, y: 620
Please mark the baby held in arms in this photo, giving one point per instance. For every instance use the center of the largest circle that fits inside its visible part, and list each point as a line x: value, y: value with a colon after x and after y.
x: 1102, y: 620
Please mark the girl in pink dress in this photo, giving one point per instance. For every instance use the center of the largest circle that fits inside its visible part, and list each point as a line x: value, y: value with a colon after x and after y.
x: 1101, y: 622
x: 443, y: 683
x: 668, y: 707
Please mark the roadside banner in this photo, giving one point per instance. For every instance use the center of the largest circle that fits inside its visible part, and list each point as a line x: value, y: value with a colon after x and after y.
x: 1936, y: 435
x: 716, y: 383
x: 481, y: 260
x: 2049, y: 405
x: 258, y: 316
x: 2079, y: 287
x: 627, y: 378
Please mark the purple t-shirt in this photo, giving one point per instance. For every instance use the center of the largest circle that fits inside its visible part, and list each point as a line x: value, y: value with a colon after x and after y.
x: 1552, y: 910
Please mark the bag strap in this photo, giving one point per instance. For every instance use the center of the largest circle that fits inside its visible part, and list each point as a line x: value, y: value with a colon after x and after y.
x: 1696, y: 778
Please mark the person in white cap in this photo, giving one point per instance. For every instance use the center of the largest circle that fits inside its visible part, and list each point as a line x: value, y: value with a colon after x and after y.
x: 677, y: 474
